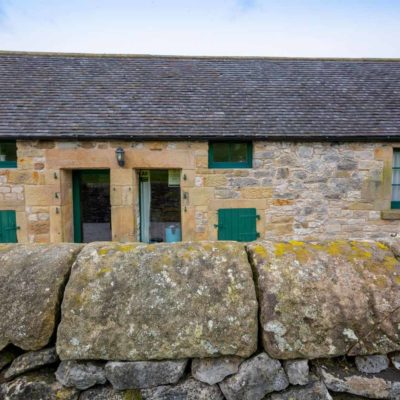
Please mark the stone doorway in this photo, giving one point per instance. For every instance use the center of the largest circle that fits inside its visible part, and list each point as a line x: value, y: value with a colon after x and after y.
x: 91, y: 204
x: 160, y: 205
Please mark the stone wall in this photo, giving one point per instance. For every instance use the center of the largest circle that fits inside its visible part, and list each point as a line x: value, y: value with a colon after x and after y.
x: 303, y: 191
x: 209, y: 320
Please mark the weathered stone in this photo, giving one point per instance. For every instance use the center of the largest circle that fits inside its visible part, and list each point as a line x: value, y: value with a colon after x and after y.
x: 395, y: 358
x: 256, y: 377
x: 190, y: 389
x: 36, y: 386
x: 327, y: 299
x: 190, y: 300
x: 214, y: 370
x: 81, y: 374
x: 282, y: 173
x: 144, y: 374
x: 297, y: 371
x: 30, y: 361
x: 372, y: 364
x: 346, y: 164
x: 7, y: 356
x: 32, y: 278
x: 345, y: 378
x: 313, y: 391
x: 108, y: 393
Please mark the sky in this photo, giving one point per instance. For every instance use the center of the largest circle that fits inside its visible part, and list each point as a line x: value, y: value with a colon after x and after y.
x: 270, y: 28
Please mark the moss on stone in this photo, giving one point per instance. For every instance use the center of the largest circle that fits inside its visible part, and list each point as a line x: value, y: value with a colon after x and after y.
x: 126, y: 247
x: 104, y: 251
x: 390, y: 262
x: 382, y: 246
x: 132, y: 395
x: 103, y: 271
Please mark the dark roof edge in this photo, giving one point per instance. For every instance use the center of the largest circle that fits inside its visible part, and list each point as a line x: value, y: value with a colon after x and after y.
x: 271, y: 138
x: 173, y: 56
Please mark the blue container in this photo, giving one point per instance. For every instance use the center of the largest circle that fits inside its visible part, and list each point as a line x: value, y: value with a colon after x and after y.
x: 173, y: 234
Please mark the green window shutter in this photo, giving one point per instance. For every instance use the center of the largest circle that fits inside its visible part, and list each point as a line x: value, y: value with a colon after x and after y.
x: 238, y: 224
x: 8, y: 227
x: 230, y: 155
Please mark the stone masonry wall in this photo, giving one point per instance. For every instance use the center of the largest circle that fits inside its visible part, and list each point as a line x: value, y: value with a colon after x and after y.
x: 117, y: 321
x: 301, y: 191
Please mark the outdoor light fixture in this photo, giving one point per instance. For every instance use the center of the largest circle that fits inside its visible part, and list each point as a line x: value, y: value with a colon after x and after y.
x: 120, y: 154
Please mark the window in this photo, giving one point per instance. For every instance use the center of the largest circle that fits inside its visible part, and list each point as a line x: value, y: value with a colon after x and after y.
x: 230, y: 155
x: 8, y: 154
x: 396, y: 179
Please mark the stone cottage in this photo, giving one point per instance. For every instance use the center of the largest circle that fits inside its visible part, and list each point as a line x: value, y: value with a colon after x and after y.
x: 128, y: 148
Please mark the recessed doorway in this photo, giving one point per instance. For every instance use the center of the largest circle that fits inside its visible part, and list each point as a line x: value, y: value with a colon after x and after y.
x: 160, y: 205
x: 92, y: 207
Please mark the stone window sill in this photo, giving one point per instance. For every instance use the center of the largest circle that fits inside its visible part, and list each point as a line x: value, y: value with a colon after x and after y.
x: 390, y: 214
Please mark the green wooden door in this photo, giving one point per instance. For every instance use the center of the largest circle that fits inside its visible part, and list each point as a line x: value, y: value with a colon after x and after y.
x: 238, y: 224
x: 8, y: 227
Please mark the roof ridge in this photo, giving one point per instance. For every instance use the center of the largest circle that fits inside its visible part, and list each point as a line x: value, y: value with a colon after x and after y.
x: 188, y: 57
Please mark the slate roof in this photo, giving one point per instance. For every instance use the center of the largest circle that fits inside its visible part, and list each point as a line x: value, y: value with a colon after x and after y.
x: 148, y: 97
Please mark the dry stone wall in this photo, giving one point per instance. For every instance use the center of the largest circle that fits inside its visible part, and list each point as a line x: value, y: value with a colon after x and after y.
x: 200, y: 320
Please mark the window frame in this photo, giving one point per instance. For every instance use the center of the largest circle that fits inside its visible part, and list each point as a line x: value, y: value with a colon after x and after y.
x: 9, y: 164
x: 394, y: 205
x: 230, y: 164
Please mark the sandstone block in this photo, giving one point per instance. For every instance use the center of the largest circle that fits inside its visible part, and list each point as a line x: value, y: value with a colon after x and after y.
x: 215, y: 180
x: 32, y: 278
x: 144, y: 374
x: 256, y: 193
x: 327, y: 299
x: 256, y: 378
x: 214, y: 370
x: 41, y: 195
x: 151, y: 302
x: 80, y: 374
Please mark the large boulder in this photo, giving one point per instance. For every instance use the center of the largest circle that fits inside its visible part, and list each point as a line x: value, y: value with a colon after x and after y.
x: 161, y: 301
x: 32, y: 279
x: 327, y: 299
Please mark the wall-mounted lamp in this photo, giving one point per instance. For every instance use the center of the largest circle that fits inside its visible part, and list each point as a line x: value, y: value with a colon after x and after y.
x: 120, y: 154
